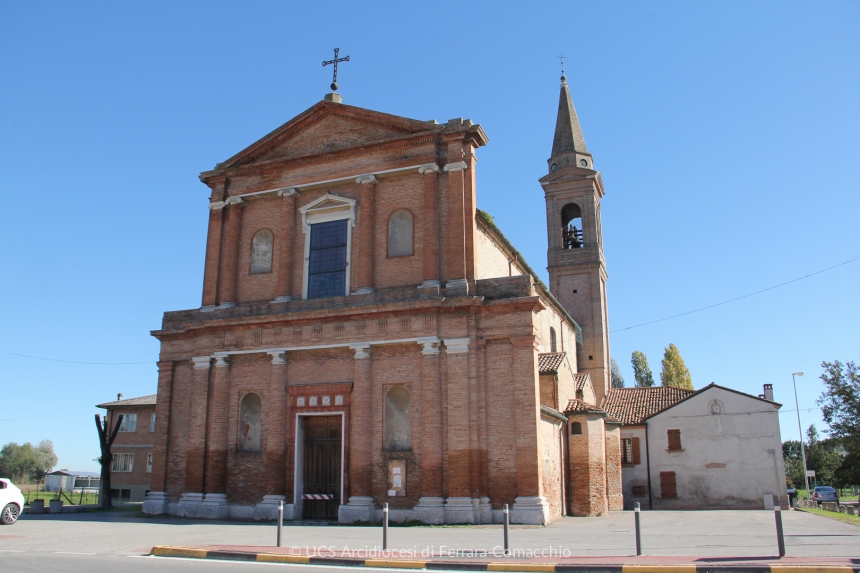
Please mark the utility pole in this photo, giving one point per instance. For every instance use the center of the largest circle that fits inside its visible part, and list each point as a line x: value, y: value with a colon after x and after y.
x: 799, y: 429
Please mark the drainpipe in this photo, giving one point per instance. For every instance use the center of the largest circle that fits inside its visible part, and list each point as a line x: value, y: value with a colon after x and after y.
x: 648, y: 467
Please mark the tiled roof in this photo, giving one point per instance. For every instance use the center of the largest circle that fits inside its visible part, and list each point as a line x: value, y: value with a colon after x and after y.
x: 550, y: 361
x: 139, y: 401
x: 633, y: 405
x: 581, y: 378
x: 576, y: 406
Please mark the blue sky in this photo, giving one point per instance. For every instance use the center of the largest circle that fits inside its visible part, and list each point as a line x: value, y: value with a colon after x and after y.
x: 726, y: 133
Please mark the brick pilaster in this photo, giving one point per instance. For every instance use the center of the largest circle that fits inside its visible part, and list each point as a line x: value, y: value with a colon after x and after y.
x: 285, y: 249
x: 431, y: 223
x: 527, y: 411
x: 230, y: 257
x: 455, y: 250
x: 276, y: 410
x: 366, y: 240
x: 457, y: 366
x: 158, y: 478
x: 196, y: 452
x: 213, y: 254
x: 431, y: 420
x: 216, y: 452
x: 360, y: 430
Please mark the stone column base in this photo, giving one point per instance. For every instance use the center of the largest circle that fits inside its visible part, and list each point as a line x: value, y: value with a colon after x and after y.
x: 268, y: 508
x: 458, y: 286
x: 359, y: 508
x: 460, y: 510
x: 430, y: 510
x: 155, y: 503
x: 485, y: 510
x: 530, y: 510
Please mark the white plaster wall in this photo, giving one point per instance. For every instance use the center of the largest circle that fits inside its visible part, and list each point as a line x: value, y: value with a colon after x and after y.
x: 635, y: 474
x: 491, y: 261
x: 739, y: 438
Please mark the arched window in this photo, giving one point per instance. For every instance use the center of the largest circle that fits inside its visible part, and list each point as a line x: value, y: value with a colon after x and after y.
x: 398, y: 423
x: 571, y: 226
x: 249, y: 423
x: 400, y: 233
x: 553, y: 347
x: 261, y: 252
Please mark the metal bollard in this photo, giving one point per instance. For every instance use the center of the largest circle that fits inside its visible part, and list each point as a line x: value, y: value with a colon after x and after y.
x: 638, y: 530
x: 385, y: 527
x: 280, y: 520
x: 777, y: 512
x: 507, y: 525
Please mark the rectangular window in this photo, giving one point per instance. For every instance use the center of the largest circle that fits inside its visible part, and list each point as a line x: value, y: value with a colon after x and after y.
x: 639, y: 491
x: 627, y: 451
x: 668, y: 486
x: 149, y: 463
x: 327, y: 259
x: 129, y: 423
x: 122, y: 463
x: 152, y: 423
x: 674, y: 440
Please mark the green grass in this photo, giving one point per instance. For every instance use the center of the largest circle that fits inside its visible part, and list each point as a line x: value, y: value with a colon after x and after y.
x: 843, y: 517
x: 88, y: 498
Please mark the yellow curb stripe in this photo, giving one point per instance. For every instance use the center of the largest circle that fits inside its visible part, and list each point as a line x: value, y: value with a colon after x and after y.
x: 170, y: 551
x: 395, y: 563
x: 810, y: 569
x: 658, y: 569
x: 549, y: 567
x: 281, y: 558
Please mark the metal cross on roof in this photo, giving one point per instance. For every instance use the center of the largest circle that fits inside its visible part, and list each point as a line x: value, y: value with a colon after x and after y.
x: 335, y: 61
x: 562, y: 57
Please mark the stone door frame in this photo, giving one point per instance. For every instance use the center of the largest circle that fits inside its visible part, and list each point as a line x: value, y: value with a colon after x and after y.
x: 299, y: 459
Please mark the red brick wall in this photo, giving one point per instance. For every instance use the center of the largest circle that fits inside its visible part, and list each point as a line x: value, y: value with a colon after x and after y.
x: 614, y: 489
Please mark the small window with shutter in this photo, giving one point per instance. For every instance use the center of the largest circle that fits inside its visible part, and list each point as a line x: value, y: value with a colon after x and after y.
x: 630, y: 451
x: 674, y: 440
x: 668, y: 486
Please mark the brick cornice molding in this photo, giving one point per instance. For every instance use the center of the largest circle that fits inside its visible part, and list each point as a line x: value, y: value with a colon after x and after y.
x: 458, y: 166
x: 201, y: 362
x: 524, y: 341
x: 457, y: 345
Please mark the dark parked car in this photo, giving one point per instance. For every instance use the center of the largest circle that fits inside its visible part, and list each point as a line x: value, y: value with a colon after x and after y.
x: 824, y: 493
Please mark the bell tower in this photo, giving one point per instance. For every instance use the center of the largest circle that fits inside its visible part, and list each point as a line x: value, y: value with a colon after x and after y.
x: 577, y: 268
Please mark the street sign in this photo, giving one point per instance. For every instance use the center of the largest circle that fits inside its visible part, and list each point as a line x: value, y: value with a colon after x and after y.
x: 810, y: 473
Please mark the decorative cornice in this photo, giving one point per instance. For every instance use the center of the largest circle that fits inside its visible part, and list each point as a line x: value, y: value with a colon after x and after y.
x: 278, y: 357
x: 362, y: 350
x: 201, y: 362
x: 429, y: 345
x: 287, y: 192
x: 216, y: 205
x: 234, y: 201
x: 428, y: 168
x: 457, y: 345
x: 458, y: 166
x: 221, y: 361
x: 362, y: 179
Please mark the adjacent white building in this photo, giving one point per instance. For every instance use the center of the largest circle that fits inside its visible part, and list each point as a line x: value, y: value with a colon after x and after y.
x: 706, y: 449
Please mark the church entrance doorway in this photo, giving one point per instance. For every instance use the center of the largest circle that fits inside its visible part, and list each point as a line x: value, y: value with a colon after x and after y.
x: 322, y: 463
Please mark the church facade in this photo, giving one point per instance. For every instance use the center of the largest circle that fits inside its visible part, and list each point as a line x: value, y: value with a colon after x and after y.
x: 368, y: 336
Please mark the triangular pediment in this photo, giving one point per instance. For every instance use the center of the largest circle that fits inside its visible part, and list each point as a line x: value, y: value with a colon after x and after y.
x: 327, y: 128
x: 328, y: 202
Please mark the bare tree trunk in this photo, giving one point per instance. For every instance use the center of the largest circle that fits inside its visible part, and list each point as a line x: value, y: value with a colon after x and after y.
x: 105, y: 442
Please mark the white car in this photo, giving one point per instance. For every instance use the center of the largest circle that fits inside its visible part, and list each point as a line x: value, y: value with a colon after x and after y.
x: 11, y: 502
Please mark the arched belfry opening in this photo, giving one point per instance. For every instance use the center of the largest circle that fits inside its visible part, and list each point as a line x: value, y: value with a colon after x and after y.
x: 571, y: 226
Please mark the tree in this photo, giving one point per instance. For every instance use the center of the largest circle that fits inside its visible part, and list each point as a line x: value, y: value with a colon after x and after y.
x: 840, y: 402
x: 823, y: 456
x: 793, y: 463
x: 641, y: 370
x: 27, y: 462
x: 617, y: 378
x: 105, y: 442
x: 675, y: 372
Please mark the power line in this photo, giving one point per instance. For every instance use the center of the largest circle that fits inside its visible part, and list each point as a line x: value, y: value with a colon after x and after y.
x: 73, y: 361
x: 737, y: 298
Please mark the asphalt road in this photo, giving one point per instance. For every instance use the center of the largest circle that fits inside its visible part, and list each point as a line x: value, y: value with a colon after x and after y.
x: 116, y: 541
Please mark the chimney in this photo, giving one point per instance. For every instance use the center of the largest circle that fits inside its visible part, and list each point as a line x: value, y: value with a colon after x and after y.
x: 768, y: 392
x: 119, y: 397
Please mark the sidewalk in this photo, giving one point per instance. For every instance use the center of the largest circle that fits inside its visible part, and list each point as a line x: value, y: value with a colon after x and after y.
x: 494, y: 560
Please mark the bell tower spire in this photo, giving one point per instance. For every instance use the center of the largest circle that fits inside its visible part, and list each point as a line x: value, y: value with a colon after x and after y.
x: 575, y: 261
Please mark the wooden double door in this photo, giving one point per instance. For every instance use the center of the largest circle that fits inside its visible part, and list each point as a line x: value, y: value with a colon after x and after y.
x: 322, y: 467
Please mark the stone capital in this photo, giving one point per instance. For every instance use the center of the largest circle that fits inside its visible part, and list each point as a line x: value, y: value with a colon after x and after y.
x: 287, y: 192
x: 222, y: 361
x: 429, y: 345
x: 362, y: 179
x: 361, y: 349
x: 278, y: 356
x: 201, y: 362
x: 234, y: 201
x: 216, y: 205
x: 458, y: 166
x: 428, y: 168
x: 457, y: 345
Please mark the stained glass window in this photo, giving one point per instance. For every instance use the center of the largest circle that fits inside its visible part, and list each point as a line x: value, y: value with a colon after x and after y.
x: 327, y: 263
